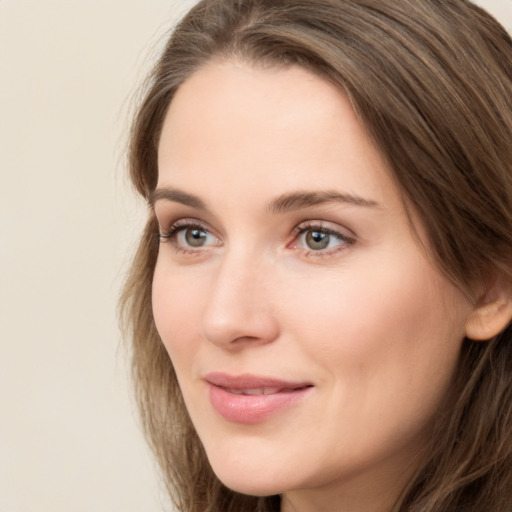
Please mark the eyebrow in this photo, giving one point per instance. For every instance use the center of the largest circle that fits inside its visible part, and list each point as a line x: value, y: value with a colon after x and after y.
x: 298, y: 200
x: 283, y: 203
x: 177, y: 196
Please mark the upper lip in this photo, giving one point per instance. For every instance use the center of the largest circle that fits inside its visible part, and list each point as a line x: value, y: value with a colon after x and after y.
x: 248, y: 381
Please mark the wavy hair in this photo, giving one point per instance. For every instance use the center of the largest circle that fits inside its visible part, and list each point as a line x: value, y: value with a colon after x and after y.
x: 431, y: 80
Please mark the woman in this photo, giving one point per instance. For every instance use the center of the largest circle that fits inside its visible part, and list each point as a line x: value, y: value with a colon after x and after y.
x: 320, y: 304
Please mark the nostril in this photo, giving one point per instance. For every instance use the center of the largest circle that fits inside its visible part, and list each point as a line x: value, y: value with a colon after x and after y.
x: 239, y: 326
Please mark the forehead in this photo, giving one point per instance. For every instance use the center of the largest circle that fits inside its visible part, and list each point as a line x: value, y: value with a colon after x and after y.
x: 233, y: 123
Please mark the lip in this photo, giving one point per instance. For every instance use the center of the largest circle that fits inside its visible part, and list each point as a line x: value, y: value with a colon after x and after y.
x: 252, y: 399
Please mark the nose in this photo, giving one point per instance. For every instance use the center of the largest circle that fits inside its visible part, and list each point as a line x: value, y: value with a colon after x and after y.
x: 239, y: 309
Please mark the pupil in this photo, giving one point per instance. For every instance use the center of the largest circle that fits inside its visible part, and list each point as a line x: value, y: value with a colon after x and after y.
x: 317, y: 240
x: 195, y: 237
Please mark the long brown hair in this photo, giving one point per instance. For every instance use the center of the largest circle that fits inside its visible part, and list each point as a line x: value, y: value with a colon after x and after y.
x: 432, y: 82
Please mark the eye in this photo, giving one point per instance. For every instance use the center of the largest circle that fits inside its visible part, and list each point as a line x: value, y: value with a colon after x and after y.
x: 320, y: 239
x: 186, y: 235
x: 317, y: 240
x: 193, y: 237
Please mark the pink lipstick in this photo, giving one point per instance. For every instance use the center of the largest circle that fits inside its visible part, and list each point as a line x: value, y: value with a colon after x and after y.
x: 252, y: 399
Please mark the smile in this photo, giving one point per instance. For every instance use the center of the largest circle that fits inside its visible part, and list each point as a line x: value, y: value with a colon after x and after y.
x: 250, y: 399
x: 261, y: 391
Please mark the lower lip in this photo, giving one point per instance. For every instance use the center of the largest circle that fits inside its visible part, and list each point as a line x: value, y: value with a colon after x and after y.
x: 250, y: 409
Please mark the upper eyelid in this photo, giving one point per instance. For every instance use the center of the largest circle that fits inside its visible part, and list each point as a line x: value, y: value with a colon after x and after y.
x: 324, y: 225
x: 183, y: 223
x: 168, y: 213
x: 165, y: 209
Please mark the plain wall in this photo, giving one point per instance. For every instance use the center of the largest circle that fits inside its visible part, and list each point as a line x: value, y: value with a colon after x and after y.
x: 69, y: 440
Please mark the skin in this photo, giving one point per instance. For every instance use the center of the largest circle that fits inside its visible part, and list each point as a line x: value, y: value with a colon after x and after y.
x: 369, y: 321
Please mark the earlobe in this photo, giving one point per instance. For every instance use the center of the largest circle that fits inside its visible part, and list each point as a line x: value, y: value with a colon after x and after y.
x: 492, y: 313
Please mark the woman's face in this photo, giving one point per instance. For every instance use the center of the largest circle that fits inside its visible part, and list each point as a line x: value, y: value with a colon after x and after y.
x: 312, y: 338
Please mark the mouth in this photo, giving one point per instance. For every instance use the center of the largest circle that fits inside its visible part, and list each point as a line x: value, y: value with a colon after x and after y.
x: 260, y: 391
x: 252, y: 399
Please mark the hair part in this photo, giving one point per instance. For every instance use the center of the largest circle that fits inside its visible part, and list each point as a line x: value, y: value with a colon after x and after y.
x: 431, y: 80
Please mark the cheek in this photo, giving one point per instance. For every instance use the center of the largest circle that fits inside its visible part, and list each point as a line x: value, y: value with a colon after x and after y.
x: 176, y: 308
x: 378, y: 301
x: 382, y: 331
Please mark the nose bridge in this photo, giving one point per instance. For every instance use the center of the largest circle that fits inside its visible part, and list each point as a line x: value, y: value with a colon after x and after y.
x: 239, y: 306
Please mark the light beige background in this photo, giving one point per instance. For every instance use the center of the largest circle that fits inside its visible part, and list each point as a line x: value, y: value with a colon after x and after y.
x: 69, y: 440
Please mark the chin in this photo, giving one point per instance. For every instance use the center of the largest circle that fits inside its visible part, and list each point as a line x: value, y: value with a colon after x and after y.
x: 249, y: 477
x: 250, y: 484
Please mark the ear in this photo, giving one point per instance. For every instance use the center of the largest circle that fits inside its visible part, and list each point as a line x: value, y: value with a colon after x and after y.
x: 493, y: 311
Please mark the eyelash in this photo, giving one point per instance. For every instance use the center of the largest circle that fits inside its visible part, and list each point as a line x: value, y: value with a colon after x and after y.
x: 318, y: 227
x: 173, y: 231
x: 181, y: 225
